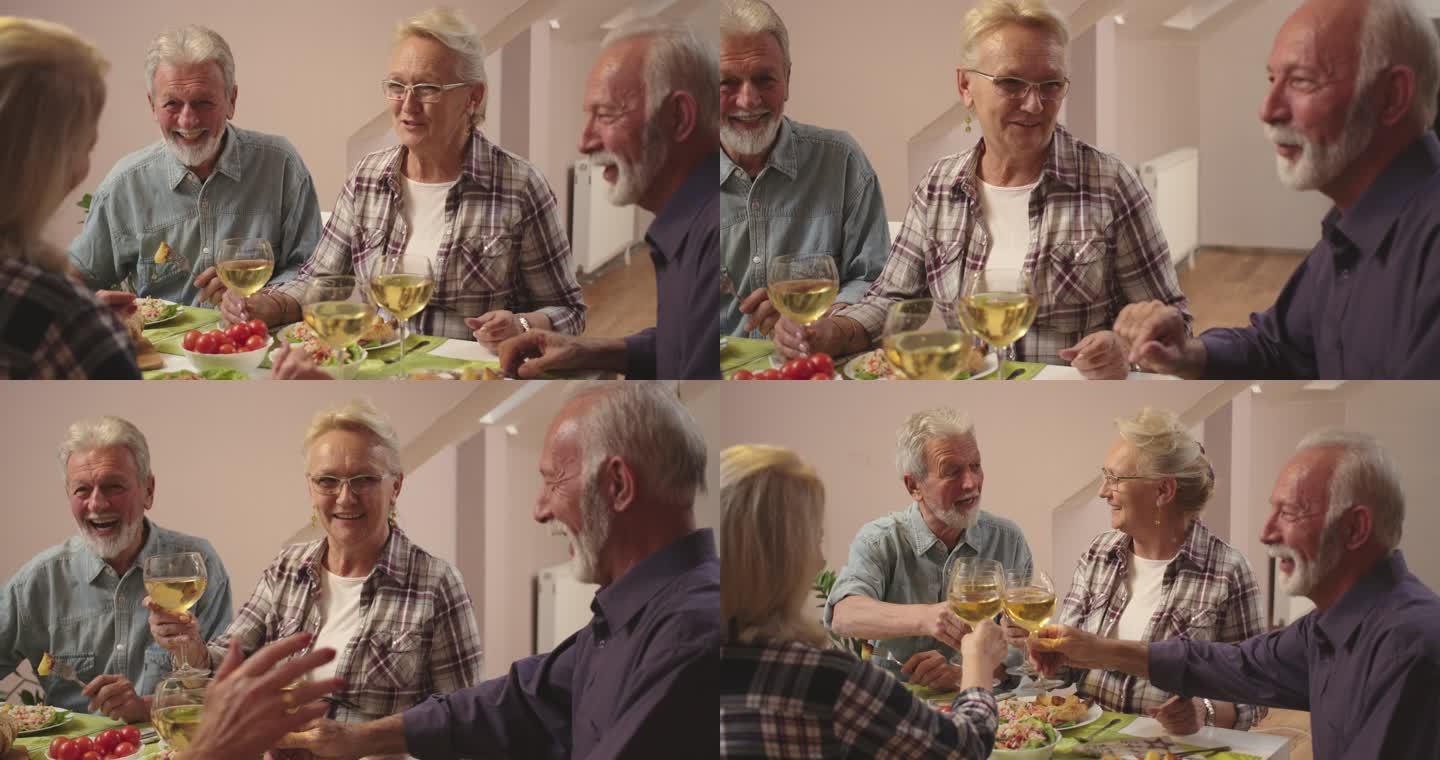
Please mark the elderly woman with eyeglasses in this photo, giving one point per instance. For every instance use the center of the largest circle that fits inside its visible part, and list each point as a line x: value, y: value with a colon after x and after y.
x: 487, y: 220
x: 399, y: 617
x: 1029, y: 196
x: 1160, y: 573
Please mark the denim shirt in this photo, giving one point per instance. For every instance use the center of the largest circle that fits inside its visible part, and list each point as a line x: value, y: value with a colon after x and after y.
x: 259, y: 188
x: 816, y: 195
x: 898, y: 560
x: 70, y: 603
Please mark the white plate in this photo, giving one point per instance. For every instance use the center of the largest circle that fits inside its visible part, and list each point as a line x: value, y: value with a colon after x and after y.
x: 66, y: 717
x: 1091, y: 715
x: 163, y: 320
x: 286, y: 332
x: 852, y: 367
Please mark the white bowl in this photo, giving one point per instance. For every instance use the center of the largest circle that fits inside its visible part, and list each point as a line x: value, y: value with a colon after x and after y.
x: 348, y: 370
x: 243, y: 361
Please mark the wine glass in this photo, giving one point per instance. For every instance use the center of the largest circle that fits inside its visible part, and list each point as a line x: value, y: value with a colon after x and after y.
x: 974, y: 591
x: 802, y: 288
x: 999, y: 305
x: 333, y: 313
x: 177, y: 708
x: 176, y: 582
x: 1029, y: 599
x: 921, y: 352
x: 245, y: 264
x: 403, y: 285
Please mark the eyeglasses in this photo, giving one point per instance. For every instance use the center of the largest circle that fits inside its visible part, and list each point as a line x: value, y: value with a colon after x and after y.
x: 1016, y: 88
x: 360, y: 485
x: 1112, y: 480
x: 425, y: 93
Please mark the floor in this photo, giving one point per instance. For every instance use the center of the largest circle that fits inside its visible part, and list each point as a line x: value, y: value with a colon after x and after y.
x: 621, y: 297
x: 1291, y: 723
x: 1226, y: 285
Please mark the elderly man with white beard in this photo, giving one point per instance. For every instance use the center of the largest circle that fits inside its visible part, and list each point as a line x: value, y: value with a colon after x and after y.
x: 622, y: 464
x: 652, y: 121
x: 892, y: 589
x: 81, y: 601
x: 1364, y: 663
x: 1353, y: 91
x: 785, y: 187
x: 206, y: 181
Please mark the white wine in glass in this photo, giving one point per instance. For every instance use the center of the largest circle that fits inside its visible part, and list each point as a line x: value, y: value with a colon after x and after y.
x: 802, y: 288
x: 176, y: 582
x: 1030, y: 603
x: 975, y: 589
x: 245, y: 264
x: 177, y: 709
x: 919, y: 352
x: 337, y: 321
x: 403, y: 285
x: 999, y: 305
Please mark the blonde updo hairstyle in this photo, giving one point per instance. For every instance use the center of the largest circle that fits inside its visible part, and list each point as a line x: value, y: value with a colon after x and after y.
x: 1168, y: 450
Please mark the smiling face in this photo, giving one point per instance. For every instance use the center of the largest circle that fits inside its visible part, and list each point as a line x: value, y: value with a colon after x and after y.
x: 571, y: 500
x: 950, y: 491
x: 359, y: 515
x: 1132, y: 502
x: 107, y: 499
x: 1308, y: 546
x: 445, y: 124
x: 192, y: 107
x: 1015, y: 129
x: 754, y: 86
x: 630, y: 148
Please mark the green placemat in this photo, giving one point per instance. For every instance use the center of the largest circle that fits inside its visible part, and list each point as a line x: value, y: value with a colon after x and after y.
x: 414, y: 345
x: 167, y: 337
x: 745, y: 353
x: 1028, y: 371
x: 82, y: 724
x: 932, y: 694
x: 1099, y: 731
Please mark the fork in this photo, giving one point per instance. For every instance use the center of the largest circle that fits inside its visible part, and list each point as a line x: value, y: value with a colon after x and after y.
x: 727, y: 285
x: 1103, y: 729
x: 66, y: 671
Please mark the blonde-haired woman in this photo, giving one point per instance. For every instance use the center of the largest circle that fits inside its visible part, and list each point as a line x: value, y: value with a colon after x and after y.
x: 1029, y: 195
x: 486, y: 218
x: 52, y: 89
x: 783, y: 692
x: 1160, y: 573
x: 400, y: 617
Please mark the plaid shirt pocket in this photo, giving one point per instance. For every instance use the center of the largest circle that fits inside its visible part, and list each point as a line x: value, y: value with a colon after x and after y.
x: 1187, y: 623
x: 391, y: 659
x: 1075, y: 272
x: 485, y: 267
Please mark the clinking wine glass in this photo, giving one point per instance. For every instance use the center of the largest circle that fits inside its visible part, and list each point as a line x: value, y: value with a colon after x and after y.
x: 974, y: 591
x: 403, y: 285
x: 178, y: 705
x: 334, y: 314
x: 802, y: 288
x: 245, y: 264
x: 918, y: 350
x: 176, y: 582
x: 1029, y: 600
x: 999, y: 305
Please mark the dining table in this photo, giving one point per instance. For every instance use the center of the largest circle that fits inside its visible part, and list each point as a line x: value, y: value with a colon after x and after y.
x: 36, y: 746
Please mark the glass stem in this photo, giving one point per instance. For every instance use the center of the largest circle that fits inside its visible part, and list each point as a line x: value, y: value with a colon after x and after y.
x: 404, y: 336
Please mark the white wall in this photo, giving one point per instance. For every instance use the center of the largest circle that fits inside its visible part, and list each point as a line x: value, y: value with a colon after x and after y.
x: 1154, y: 109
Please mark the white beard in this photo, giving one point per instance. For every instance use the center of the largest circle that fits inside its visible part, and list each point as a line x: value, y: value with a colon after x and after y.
x: 749, y: 142
x: 594, y: 532
x: 1308, y: 573
x: 1321, y: 164
x: 957, y: 519
x: 194, y: 155
x: 633, y: 180
x: 110, y: 548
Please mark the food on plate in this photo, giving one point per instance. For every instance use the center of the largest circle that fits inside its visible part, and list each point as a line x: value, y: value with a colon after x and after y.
x: 873, y: 365
x: 146, y: 357
x: 8, y: 732
x: 155, y: 309
x: 31, y: 717
x: 162, y: 254
x: 235, y: 339
x: 45, y: 662
x: 1031, y: 733
x: 465, y: 373
x: 380, y: 331
x: 1060, y: 711
x: 812, y: 367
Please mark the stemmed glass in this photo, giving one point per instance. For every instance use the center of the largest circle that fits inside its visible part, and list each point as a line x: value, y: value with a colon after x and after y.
x: 918, y: 352
x: 1029, y: 598
x: 974, y: 591
x: 176, y: 582
x: 245, y: 264
x: 178, y: 706
x: 802, y: 288
x: 330, y: 311
x: 403, y: 285
x: 999, y: 305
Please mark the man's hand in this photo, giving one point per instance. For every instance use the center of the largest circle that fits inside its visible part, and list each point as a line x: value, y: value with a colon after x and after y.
x: 1156, y: 335
x: 931, y: 669
x: 1180, y: 716
x: 763, y: 314
x: 173, y: 631
x: 121, y: 302
x: 212, y: 288
x: 1100, y: 355
x: 114, y: 696
x: 325, y: 738
x: 938, y: 622
x: 1055, y: 646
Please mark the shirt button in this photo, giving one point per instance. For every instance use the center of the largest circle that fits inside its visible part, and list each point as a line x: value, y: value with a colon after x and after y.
x: 207, y: 250
x: 120, y: 647
x: 756, y: 260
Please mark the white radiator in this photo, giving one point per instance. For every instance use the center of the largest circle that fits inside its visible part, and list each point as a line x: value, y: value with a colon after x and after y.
x: 599, y: 230
x: 1174, y: 183
x: 562, y: 606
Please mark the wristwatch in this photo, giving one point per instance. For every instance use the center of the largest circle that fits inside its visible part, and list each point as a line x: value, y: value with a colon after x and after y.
x: 1209, y: 711
x: 524, y: 323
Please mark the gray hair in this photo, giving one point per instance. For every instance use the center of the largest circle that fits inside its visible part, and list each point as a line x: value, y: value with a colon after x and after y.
x: 923, y: 427
x: 1364, y: 474
x: 755, y: 17
x: 990, y: 15
x: 103, y: 433
x: 1167, y: 448
x: 450, y: 28
x: 190, y: 45
x: 359, y: 416
x: 1398, y: 32
x: 677, y: 60
x: 644, y: 423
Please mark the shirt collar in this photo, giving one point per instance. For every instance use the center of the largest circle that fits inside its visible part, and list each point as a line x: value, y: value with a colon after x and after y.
x: 784, y: 155
x: 1365, y: 226
x: 1194, y: 550
x: 1062, y: 164
x: 922, y: 538
x: 1341, y: 622
x: 667, y: 233
x: 394, y: 561
x: 477, y: 164
x: 230, y: 163
x: 619, y: 602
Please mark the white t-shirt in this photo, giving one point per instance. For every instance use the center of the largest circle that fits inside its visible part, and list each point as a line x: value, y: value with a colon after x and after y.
x: 340, y: 617
x: 1144, y: 581
x: 423, y: 206
x: 1007, y: 219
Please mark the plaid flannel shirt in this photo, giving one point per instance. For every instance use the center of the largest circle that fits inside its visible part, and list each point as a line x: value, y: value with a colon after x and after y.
x: 52, y: 328
x: 498, y: 197
x: 418, y: 636
x: 1095, y: 246
x: 793, y: 700
x: 1210, y: 595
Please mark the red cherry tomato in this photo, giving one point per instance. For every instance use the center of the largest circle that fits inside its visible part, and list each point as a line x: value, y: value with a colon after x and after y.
x: 92, y: 755
x: 768, y: 374
x: 216, y: 334
x: 70, y: 751
x: 743, y: 374
x: 796, y: 369
x: 205, y: 344
x: 822, y: 377
x: 822, y: 364
x: 123, y: 749
x: 190, y: 339
x: 226, y: 348
x: 255, y: 342
x: 107, y: 740
x: 58, y: 744
x: 238, y: 333
x: 258, y: 327
x: 84, y: 743
x: 130, y: 734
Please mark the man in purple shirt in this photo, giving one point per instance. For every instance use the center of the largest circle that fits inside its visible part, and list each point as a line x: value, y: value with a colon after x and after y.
x: 622, y: 464
x: 652, y: 109
x: 1365, y: 663
x: 1355, y: 125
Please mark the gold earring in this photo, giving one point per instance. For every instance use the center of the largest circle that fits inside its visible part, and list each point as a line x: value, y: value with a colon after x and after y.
x: 969, y: 122
x: 394, y: 517
x: 314, y: 520
x: 1157, y: 515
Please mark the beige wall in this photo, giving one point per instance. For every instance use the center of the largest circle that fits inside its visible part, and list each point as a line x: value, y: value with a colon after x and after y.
x: 1156, y: 110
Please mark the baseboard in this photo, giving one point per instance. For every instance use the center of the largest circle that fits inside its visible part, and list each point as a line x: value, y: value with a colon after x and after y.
x: 1252, y: 249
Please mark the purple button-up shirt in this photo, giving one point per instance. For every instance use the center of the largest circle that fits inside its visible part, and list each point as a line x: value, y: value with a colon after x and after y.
x: 1366, y: 668
x: 1365, y: 304
x: 641, y: 681
x: 684, y: 243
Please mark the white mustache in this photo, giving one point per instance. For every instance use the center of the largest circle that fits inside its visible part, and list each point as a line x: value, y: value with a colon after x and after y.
x: 748, y: 114
x: 603, y: 158
x: 1280, y: 551
x: 1284, y: 136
